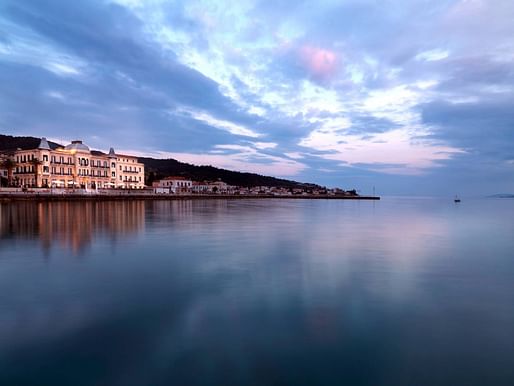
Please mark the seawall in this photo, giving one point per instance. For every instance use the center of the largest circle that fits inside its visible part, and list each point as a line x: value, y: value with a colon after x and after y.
x: 6, y: 197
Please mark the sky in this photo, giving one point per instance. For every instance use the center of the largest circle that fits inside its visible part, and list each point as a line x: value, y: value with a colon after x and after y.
x: 407, y: 96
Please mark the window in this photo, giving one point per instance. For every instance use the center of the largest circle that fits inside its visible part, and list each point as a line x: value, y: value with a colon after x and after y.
x: 45, y: 157
x: 61, y: 159
x: 113, y: 174
x: 113, y: 165
x: 45, y: 169
x: 120, y: 167
x: 120, y: 178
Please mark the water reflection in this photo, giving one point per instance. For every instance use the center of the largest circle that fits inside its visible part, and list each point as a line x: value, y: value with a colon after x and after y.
x: 259, y: 292
x: 71, y: 225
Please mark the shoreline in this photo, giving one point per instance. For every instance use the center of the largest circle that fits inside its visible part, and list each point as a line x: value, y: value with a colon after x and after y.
x: 6, y: 197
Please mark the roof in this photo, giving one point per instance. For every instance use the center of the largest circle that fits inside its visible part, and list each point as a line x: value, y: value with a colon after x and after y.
x: 176, y: 178
x: 97, y: 153
x: 77, y: 145
x: 43, y: 145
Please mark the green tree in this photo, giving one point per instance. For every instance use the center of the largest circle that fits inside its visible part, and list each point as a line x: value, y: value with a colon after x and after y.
x: 10, y: 165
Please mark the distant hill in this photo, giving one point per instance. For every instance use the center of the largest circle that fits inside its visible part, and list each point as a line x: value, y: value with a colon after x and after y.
x: 8, y: 142
x: 160, y: 168
x: 502, y: 195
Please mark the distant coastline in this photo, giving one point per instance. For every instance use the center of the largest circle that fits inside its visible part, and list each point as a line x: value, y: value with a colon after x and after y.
x: 35, y: 163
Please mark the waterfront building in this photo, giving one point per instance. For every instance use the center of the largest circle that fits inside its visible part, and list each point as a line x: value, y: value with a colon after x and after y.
x: 208, y: 187
x: 75, y: 166
x: 201, y: 187
x: 173, y: 185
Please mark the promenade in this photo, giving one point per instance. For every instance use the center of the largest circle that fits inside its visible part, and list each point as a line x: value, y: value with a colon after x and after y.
x: 10, y: 194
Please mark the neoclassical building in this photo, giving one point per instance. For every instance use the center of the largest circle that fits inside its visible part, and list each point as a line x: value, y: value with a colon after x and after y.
x: 76, y: 166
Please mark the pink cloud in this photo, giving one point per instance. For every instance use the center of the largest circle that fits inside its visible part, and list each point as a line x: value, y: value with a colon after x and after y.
x: 320, y: 63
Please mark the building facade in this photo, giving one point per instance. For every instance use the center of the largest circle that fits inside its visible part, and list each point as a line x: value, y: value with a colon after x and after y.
x: 173, y: 185
x: 75, y: 166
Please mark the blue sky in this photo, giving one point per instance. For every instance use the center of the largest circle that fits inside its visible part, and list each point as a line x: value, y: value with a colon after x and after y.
x: 412, y: 96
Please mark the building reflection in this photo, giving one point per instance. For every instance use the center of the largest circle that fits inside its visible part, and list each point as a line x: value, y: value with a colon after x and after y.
x: 70, y: 225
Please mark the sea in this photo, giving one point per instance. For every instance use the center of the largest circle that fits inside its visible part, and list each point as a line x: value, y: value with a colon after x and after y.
x: 402, y: 291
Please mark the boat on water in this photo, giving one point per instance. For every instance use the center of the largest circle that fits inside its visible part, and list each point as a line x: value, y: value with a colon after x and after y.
x: 456, y: 199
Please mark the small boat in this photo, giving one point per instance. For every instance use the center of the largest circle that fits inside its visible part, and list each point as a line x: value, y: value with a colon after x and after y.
x: 456, y: 199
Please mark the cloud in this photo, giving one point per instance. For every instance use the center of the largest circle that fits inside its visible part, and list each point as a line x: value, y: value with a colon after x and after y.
x: 224, y: 125
x: 264, y: 145
x: 394, y: 92
x: 483, y: 128
x: 390, y: 152
x: 320, y: 63
x: 433, y: 55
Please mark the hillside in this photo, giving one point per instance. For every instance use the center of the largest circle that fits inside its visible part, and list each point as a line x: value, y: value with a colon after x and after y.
x: 8, y: 142
x: 159, y: 168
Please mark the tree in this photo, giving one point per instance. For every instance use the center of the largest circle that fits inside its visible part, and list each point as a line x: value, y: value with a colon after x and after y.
x: 35, y: 163
x: 10, y: 165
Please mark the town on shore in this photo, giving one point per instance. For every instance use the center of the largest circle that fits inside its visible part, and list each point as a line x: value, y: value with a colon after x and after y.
x: 76, y: 170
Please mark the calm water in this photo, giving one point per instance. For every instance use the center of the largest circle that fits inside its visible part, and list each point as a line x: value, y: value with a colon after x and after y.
x: 257, y: 292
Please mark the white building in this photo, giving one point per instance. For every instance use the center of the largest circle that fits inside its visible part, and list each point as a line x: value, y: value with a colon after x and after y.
x: 173, y: 185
